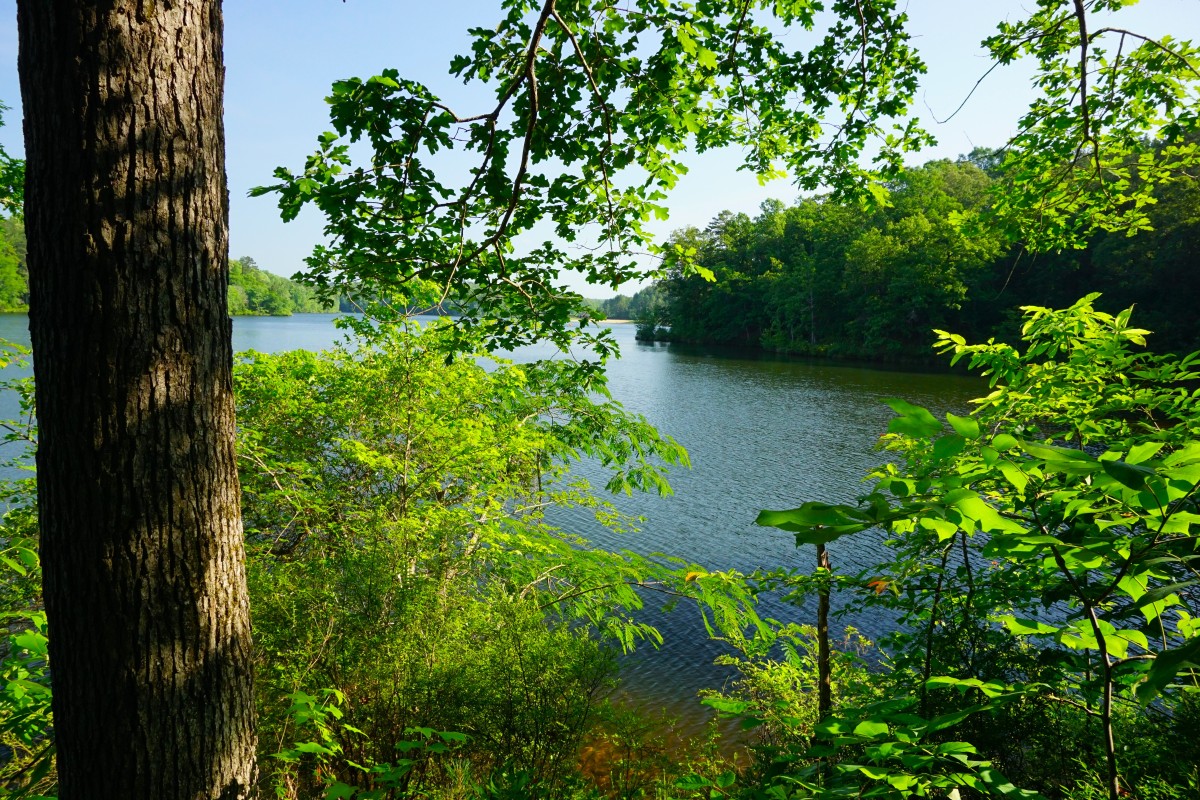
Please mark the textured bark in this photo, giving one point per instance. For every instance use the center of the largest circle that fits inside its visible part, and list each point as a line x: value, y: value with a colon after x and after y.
x: 824, y: 669
x: 127, y: 217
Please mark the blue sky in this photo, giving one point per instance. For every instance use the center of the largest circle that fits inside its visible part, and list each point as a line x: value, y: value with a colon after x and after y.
x: 282, y: 55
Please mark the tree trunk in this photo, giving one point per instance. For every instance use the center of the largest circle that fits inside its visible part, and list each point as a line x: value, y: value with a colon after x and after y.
x: 138, y: 500
x: 824, y: 668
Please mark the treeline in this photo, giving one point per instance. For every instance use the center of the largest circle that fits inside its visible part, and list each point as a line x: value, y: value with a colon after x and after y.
x: 251, y: 290
x: 14, y: 277
x: 823, y: 278
x: 258, y: 292
x: 642, y: 305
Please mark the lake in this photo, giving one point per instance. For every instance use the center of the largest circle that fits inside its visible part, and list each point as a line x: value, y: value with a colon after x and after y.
x: 762, y: 432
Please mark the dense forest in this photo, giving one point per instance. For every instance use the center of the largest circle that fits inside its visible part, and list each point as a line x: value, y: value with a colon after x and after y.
x: 255, y: 291
x: 828, y: 278
x: 641, y: 306
x: 14, y: 277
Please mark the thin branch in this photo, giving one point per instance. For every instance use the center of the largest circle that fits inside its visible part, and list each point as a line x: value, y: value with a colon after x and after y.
x: 531, y: 79
x: 602, y: 101
x: 966, y: 99
x: 1088, y: 135
x: 737, y: 33
x: 1081, y: 706
x: 1177, y: 56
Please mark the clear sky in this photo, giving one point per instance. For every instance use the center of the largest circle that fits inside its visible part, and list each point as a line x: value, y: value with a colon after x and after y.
x: 282, y: 55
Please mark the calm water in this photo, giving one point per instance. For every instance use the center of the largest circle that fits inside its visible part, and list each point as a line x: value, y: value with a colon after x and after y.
x: 761, y: 432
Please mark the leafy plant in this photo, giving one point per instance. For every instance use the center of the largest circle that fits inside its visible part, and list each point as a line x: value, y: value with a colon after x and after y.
x: 26, y: 721
x: 302, y: 768
x: 1067, y: 500
x: 395, y: 504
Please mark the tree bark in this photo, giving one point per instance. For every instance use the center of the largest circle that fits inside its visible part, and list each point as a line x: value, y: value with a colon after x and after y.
x: 824, y: 668
x: 138, y: 499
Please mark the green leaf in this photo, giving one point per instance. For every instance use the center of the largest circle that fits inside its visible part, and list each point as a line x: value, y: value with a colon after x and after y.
x: 1140, y: 452
x: 1132, y: 475
x: 946, y: 447
x: 1026, y: 627
x: 1004, y: 441
x: 944, y: 721
x: 913, y: 421
x: 726, y: 705
x: 1014, y: 475
x: 815, y: 523
x: 1166, y: 666
x: 1164, y: 594
x: 966, y: 427
x: 384, y: 80
x: 691, y: 783
x: 13, y: 565
x: 871, y: 729
x: 1065, y: 460
x: 974, y: 507
x: 339, y: 791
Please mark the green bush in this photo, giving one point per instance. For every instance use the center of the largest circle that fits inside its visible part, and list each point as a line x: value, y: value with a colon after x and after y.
x: 398, y: 551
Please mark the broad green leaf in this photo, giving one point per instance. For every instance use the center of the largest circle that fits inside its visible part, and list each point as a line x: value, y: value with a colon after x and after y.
x: 972, y: 506
x: 692, y: 782
x: 948, y: 446
x: 1143, y: 451
x: 1133, y: 638
x: 1062, y: 459
x: 1026, y: 627
x: 1132, y: 475
x: 996, y: 782
x: 726, y: 705
x: 815, y: 523
x: 1166, y: 666
x: 1014, y: 475
x: 913, y: 421
x: 944, y: 721
x: 967, y: 427
x: 13, y: 565
x: 871, y: 729
x: 1004, y: 441
x: 943, y: 528
x: 339, y: 791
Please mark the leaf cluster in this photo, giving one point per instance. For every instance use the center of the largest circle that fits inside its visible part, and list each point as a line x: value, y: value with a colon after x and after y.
x: 594, y: 105
x: 1045, y: 545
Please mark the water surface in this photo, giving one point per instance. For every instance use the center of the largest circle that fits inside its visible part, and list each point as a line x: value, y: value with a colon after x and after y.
x: 761, y: 432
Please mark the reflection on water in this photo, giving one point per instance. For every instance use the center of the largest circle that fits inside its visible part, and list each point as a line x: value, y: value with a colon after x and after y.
x: 761, y: 432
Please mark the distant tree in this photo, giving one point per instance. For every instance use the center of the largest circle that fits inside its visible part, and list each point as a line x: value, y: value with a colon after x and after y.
x: 12, y: 178
x: 14, y: 290
x: 255, y: 291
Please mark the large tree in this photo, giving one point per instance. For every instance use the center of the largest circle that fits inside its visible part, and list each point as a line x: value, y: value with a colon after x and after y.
x: 139, y: 505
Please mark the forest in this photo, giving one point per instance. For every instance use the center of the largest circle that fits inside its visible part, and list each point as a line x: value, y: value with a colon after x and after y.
x: 253, y: 290
x: 823, y: 278
x: 339, y: 574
